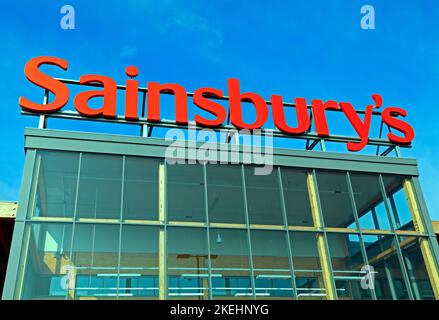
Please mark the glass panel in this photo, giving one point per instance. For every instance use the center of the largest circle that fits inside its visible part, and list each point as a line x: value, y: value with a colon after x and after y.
x: 307, y: 270
x: 347, y: 264
x: 382, y: 256
x: 185, y: 192
x: 57, y: 175
x: 95, y: 259
x: 100, y: 187
x: 188, y: 274
x: 140, y: 189
x: 398, y: 202
x: 263, y: 197
x: 47, y: 261
x: 368, y: 221
x: 414, y: 261
x: 225, y: 194
x: 335, y: 200
x: 369, y: 201
x: 230, y: 264
x: 271, y: 265
x: 139, y: 263
x: 400, y: 207
x: 296, y: 197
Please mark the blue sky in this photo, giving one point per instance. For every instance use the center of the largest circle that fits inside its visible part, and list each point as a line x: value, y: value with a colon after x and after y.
x: 309, y: 48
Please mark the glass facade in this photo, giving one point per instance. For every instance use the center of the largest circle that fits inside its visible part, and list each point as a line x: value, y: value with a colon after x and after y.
x: 101, y: 226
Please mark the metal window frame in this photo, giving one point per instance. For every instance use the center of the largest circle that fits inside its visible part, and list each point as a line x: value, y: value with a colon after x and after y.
x: 322, y: 240
x: 43, y: 139
x: 357, y: 223
x: 395, y: 241
x: 287, y: 234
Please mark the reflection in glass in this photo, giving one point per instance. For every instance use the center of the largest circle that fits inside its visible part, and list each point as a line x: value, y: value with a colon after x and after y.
x: 139, y: 265
x: 347, y: 263
x: 371, y: 210
x: 335, y: 200
x: 47, y: 260
x: 185, y: 192
x: 140, y: 189
x: 56, y: 175
x: 263, y: 197
x: 271, y: 264
x: 296, y: 197
x: 107, y: 266
x: 230, y: 264
x: 95, y: 259
x: 188, y: 274
x: 225, y: 194
x: 414, y: 261
x: 307, y: 269
x: 382, y: 256
x: 398, y: 203
x: 100, y: 187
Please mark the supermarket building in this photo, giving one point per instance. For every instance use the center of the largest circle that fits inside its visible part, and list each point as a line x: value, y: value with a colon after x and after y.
x: 105, y: 216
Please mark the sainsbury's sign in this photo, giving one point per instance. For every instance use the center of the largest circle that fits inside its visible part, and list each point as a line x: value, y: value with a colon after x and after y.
x: 204, y: 98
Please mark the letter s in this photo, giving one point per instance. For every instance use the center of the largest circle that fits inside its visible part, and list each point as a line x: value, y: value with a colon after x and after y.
x: 37, y: 77
x: 389, y: 117
x: 202, y: 101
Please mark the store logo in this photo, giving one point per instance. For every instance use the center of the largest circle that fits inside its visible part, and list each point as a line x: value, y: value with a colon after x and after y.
x: 202, y: 98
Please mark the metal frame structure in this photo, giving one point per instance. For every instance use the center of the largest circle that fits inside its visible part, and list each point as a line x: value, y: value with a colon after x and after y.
x: 43, y: 139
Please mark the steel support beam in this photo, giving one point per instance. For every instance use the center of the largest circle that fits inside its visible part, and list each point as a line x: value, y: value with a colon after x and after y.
x: 325, y: 261
x: 163, y: 281
x: 427, y: 252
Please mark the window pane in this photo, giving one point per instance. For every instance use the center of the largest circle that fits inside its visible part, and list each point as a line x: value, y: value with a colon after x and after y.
x: 95, y: 258
x: 47, y: 261
x: 398, y: 202
x: 56, y: 177
x: 415, y: 264
x: 296, y: 197
x: 347, y: 264
x: 369, y: 201
x: 263, y: 197
x: 100, y: 186
x: 382, y: 256
x: 230, y: 263
x: 188, y: 274
x: 140, y: 189
x: 307, y: 270
x: 139, y: 262
x: 271, y: 264
x: 368, y: 221
x: 335, y: 201
x: 185, y: 192
x: 225, y: 194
